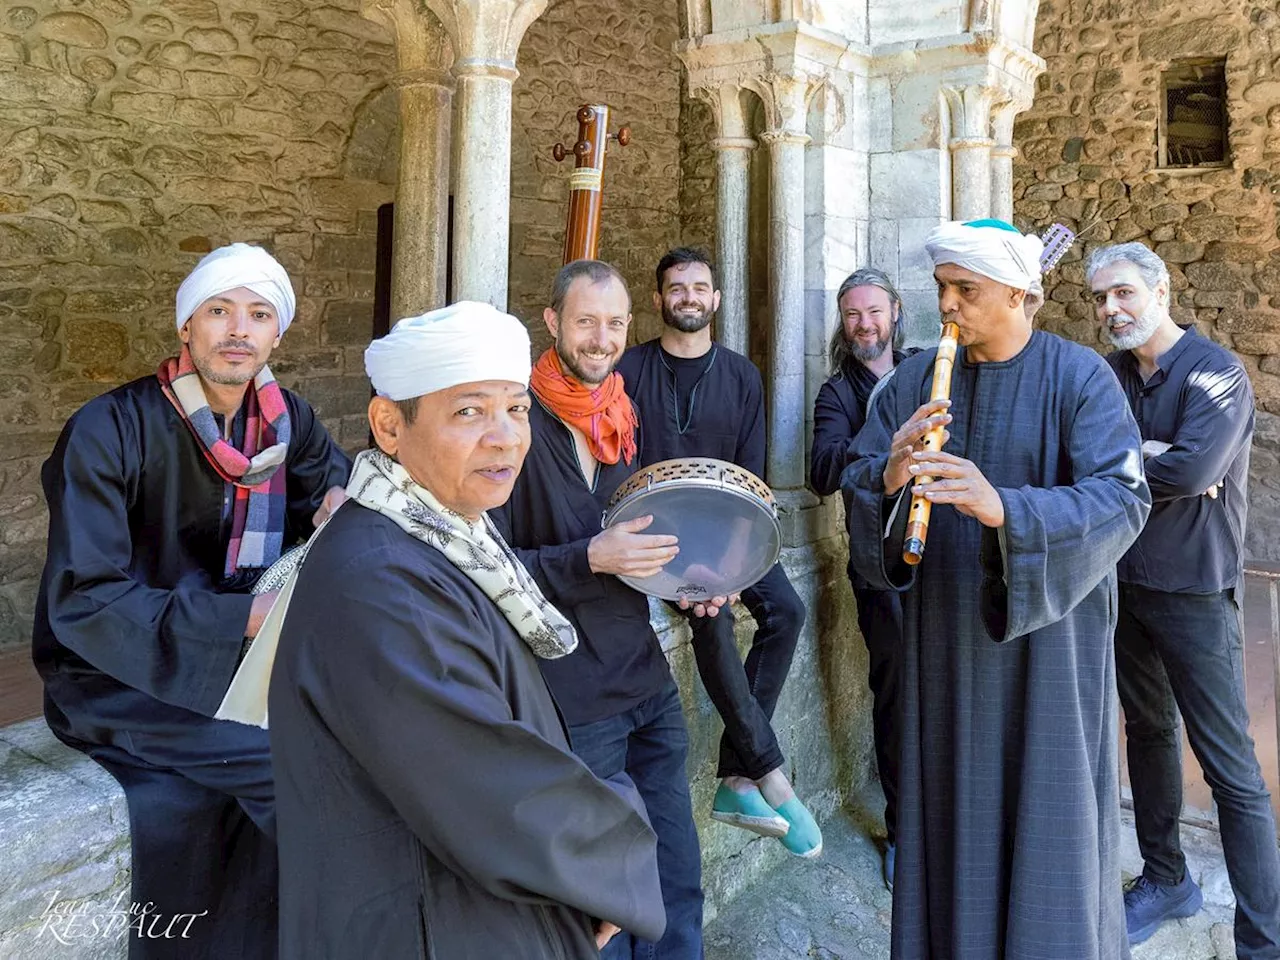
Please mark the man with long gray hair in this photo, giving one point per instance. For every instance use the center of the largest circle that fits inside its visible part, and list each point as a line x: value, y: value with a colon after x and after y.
x: 1178, y: 638
x: 864, y: 351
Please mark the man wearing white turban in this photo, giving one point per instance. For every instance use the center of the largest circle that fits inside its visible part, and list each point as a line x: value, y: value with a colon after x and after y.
x: 429, y: 803
x: 168, y: 497
x: 1008, y: 818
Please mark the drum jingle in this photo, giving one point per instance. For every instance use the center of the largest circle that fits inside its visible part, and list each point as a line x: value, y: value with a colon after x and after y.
x: 724, y: 516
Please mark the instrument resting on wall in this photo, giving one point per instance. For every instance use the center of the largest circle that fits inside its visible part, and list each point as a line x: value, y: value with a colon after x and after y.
x: 582, y: 231
x: 725, y: 517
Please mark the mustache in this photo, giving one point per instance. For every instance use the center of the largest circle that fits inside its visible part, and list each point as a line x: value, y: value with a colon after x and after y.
x: 234, y: 345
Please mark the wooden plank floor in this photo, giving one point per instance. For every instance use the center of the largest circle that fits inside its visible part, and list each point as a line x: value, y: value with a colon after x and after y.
x: 21, y: 691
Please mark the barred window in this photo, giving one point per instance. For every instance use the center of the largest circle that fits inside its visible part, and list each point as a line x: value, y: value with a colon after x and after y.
x: 1193, y: 116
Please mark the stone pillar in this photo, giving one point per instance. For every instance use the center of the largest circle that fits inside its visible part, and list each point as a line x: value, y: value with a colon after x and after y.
x: 485, y: 35
x: 420, y: 255
x: 785, y: 99
x: 970, y: 147
x: 1002, y: 156
x: 733, y: 162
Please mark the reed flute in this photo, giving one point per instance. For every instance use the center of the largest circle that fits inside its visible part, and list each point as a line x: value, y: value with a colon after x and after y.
x: 918, y: 518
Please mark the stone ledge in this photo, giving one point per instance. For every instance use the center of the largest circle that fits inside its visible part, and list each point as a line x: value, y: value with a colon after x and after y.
x: 64, y: 830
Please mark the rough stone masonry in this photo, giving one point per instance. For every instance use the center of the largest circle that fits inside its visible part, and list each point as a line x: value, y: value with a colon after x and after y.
x: 1088, y: 156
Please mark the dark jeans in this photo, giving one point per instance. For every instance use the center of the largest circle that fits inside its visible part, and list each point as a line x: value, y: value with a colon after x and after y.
x: 650, y: 742
x: 1178, y: 652
x: 880, y: 620
x: 745, y: 695
x: 202, y: 833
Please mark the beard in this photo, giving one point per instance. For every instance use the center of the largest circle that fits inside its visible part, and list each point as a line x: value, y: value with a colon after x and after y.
x: 580, y: 373
x: 233, y: 377
x: 1143, y: 327
x: 866, y: 354
x: 689, y: 322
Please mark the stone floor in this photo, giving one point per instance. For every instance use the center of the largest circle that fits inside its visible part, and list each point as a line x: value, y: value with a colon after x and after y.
x: 837, y: 908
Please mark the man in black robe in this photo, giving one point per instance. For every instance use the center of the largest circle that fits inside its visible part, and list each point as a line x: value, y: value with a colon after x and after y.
x: 168, y: 496
x: 1008, y: 805
x: 429, y: 802
x: 863, y: 352
x: 1179, y: 643
x: 616, y: 691
x: 698, y: 399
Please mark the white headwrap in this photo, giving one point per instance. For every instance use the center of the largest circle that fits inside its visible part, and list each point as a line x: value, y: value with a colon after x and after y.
x: 238, y: 265
x: 992, y: 248
x: 462, y: 343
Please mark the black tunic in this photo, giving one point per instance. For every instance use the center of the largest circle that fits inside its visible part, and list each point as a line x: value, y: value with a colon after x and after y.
x: 549, y: 521
x: 1008, y: 817
x: 730, y: 389
x: 429, y: 805
x: 135, y: 626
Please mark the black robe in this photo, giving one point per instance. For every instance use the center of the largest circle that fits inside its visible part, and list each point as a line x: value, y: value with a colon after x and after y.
x: 429, y: 805
x: 1008, y: 819
x: 135, y: 626
x: 549, y: 521
x: 137, y: 636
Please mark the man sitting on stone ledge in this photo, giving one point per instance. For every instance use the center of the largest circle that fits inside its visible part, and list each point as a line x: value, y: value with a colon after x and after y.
x: 168, y: 497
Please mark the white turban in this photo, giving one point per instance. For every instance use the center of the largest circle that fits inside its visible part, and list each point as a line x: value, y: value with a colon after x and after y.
x: 462, y: 343
x: 992, y: 248
x: 238, y: 265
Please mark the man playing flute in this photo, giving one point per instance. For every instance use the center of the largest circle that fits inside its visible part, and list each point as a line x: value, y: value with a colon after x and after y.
x: 1008, y: 809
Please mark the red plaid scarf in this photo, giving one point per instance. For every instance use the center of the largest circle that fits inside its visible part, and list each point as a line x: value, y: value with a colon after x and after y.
x: 257, y: 516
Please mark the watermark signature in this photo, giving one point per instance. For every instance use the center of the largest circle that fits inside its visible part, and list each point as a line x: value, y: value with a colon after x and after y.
x: 72, y: 920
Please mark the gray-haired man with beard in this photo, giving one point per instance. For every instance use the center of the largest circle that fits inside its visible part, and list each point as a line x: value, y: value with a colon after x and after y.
x: 1178, y: 639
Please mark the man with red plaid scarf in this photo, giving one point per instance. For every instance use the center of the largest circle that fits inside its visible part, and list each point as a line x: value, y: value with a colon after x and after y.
x: 168, y: 498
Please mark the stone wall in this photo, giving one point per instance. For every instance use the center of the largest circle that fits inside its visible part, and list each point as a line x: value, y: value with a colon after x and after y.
x: 620, y: 53
x: 1088, y: 154
x: 134, y: 137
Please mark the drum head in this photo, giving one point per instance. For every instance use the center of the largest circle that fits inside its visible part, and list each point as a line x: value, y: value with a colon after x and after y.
x: 728, y: 539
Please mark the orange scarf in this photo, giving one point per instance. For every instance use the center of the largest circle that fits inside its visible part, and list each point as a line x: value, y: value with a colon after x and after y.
x: 604, y: 415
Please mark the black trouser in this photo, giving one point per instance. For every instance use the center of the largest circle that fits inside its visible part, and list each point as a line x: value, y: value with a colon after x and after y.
x: 1180, y: 652
x: 880, y: 620
x: 202, y: 829
x: 746, y: 695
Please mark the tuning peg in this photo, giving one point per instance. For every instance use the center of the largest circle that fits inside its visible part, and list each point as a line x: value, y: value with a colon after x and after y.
x: 558, y: 152
x: 622, y: 137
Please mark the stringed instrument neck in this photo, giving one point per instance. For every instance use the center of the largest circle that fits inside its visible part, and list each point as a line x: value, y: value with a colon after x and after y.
x: 582, y: 229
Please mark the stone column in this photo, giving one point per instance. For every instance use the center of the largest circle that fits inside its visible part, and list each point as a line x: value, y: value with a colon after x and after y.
x: 420, y: 254
x: 485, y: 35
x: 733, y: 163
x: 970, y: 146
x: 1002, y: 156
x: 785, y: 99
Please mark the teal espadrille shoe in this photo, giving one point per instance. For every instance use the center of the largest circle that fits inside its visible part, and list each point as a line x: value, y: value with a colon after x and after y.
x: 804, y: 839
x: 749, y: 811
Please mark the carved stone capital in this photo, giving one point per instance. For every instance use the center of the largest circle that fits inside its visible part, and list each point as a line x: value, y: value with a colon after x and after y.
x: 725, y: 101
x: 422, y: 46
x: 486, y: 31
x: 785, y: 98
x: 970, y: 108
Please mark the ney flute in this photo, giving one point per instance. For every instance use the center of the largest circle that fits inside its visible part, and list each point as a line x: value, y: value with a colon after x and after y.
x: 918, y: 518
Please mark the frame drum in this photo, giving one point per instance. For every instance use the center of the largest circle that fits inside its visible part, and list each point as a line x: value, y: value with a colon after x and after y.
x: 725, y: 517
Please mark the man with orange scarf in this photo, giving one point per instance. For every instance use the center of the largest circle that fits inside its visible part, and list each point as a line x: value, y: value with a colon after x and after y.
x: 615, y: 691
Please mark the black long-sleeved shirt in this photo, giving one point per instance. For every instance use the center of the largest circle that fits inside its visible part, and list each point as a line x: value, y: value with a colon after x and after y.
x: 135, y: 626
x: 838, y: 415
x: 724, y: 415
x: 1199, y: 400
x: 549, y: 521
